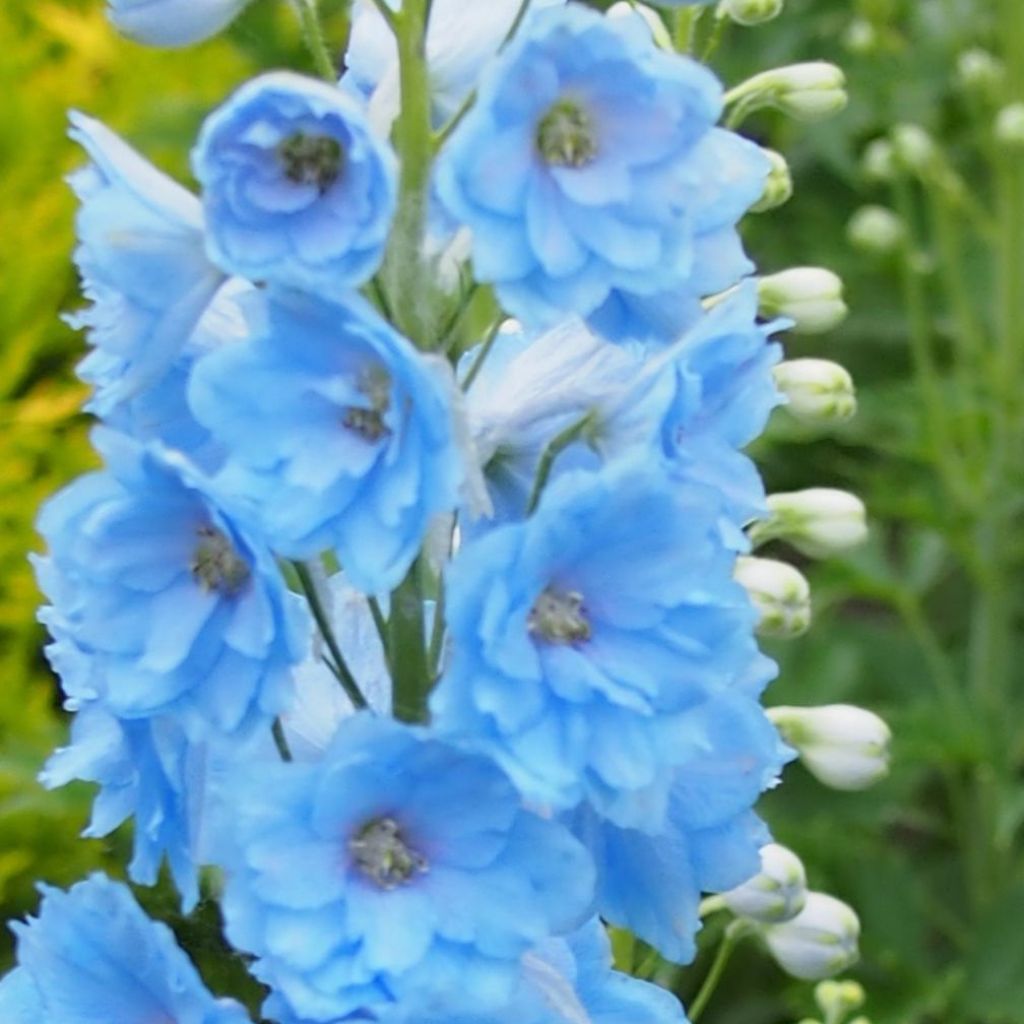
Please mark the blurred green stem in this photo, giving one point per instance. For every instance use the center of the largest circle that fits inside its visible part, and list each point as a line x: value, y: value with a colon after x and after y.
x: 313, y: 30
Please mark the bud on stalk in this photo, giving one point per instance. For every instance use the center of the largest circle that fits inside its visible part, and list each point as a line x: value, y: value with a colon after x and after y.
x: 811, y: 297
x: 774, y: 895
x: 818, y: 522
x: 816, y: 390
x: 779, y: 592
x: 842, y: 746
x: 819, y: 942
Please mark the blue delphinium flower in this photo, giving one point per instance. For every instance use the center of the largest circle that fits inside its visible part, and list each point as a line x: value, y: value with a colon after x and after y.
x: 296, y: 187
x: 581, y: 170
x: 144, y: 268
x: 93, y: 955
x: 338, y: 431
x: 172, y: 22
x: 147, y: 770
x: 461, y: 38
x: 697, y: 402
x: 395, y: 869
x: 581, y: 637
x: 652, y: 884
x: 174, y: 608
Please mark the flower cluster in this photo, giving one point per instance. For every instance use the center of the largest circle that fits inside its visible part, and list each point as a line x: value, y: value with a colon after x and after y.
x: 433, y: 643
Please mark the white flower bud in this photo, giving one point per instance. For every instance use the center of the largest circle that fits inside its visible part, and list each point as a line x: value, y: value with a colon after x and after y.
x: 778, y: 186
x: 838, y: 998
x: 861, y: 37
x: 979, y: 71
x: 810, y: 296
x: 781, y: 595
x: 876, y: 230
x: 879, y: 161
x: 750, y: 12
x: 819, y: 942
x: 1010, y: 125
x: 777, y: 893
x: 914, y: 148
x: 817, y: 390
x: 818, y: 521
x: 842, y: 746
x: 807, y: 92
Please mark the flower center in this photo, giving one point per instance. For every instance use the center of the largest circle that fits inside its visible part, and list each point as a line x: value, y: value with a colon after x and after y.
x: 558, y: 617
x: 369, y: 423
x: 381, y: 853
x: 565, y: 136
x: 216, y: 565
x: 311, y: 160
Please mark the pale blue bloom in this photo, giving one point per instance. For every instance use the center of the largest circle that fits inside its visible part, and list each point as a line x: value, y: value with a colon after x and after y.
x: 581, y: 638
x: 296, y: 187
x: 338, y: 431
x: 173, y: 607
x: 147, y: 770
x: 652, y: 883
x: 461, y: 38
x: 394, y: 870
x: 143, y: 265
x: 590, y: 173
x: 92, y: 955
x: 172, y: 22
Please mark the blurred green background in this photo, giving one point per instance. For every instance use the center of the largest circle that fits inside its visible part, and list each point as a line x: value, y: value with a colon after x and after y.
x: 889, y: 620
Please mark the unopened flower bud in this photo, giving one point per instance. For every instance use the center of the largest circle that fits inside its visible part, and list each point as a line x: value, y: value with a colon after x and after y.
x: 750, y: 12
x: 842, y: 746
x: 861, y: 37
x: 818, y: 521
x: 816, y: 390
x: 876, y: 230
x: 778, y: 186
x: 1010, y: 125
x: 777, y: 893
x: 811, y: 297
x: 879, y: 161
x: 979, y: 71
x: 838, y: 998
x: 914, y: 148
x: 819, y: 942
x: 807, y: 92
x: 781, y: 595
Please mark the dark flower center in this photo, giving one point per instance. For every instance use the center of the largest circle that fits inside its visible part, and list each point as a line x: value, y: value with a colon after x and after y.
x: 368, y: 422
x: 311, y: 160
x: 565, y: 135
x: 558, y: 617
x: 216, y: 565
x: 381, y: 853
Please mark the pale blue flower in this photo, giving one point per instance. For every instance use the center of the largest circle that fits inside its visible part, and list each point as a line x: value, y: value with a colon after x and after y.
x: 394, y: 870
x: 296, y: 187
x: 589, y: 173
x: 143, y: 265
x: 173, y: 607
x: 92, y: 955
x: 580, y: 638
x: 652, y: 883
x: 172, y: 22
x: 338, y: 431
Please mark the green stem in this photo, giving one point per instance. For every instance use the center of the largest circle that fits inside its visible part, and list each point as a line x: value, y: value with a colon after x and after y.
x: 410, y: 672
x: 555, y: 447
x: 481, y: 357
x: 684, y: 27
x: 406, y: 270
x: 730, y: 940
x: 313, y: 31
x: 340, y: 669
x: 437, y: 633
